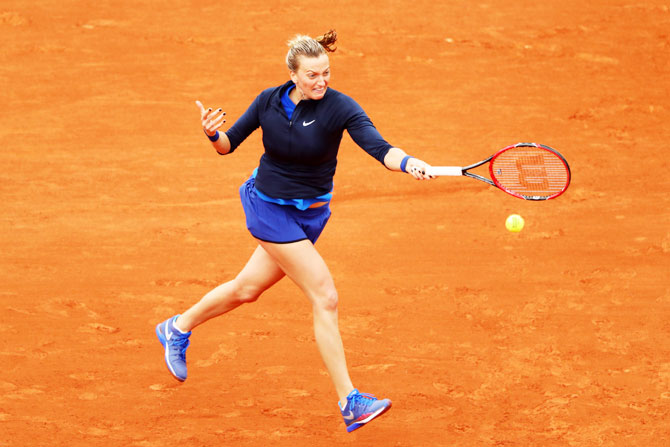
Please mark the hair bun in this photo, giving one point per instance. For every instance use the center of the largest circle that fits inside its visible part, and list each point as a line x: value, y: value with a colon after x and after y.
x: 328, y: 40
x: 302, y: 45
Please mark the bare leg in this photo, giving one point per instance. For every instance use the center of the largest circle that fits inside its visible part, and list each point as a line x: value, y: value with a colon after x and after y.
x: 259, y: 274
x: 304, y: 265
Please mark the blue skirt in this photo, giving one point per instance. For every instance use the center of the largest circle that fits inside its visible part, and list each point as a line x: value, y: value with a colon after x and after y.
x: 281, y: 224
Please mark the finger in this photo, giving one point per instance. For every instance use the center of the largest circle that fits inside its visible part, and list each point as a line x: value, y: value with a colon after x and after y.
x: 216, y: 124
x: 202, y: 109
x: 426, y: 168
x: 218, y: 114
x: 419, y: 172
x: 221, y: 118
x: 421, y: 168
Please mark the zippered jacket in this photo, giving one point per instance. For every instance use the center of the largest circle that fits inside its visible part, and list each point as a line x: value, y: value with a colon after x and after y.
x: 301, y: 153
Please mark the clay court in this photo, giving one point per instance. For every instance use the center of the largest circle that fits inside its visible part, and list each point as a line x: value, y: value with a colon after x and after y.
x: 117, y: 213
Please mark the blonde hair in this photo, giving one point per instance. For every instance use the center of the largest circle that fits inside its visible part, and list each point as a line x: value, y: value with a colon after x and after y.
x: 307, y: 46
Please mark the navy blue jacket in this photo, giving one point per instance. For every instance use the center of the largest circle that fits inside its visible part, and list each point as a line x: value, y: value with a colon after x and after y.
x: 301, y: 154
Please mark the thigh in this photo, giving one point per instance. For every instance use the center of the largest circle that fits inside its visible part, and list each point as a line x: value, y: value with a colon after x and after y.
x: 301, y: 262
x: 260, y: 272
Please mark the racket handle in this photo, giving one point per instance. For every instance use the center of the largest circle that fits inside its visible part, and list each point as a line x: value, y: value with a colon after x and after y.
x: 445, y: 170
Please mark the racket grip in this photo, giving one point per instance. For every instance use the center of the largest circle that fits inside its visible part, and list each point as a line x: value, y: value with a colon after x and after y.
x: 445, y: 170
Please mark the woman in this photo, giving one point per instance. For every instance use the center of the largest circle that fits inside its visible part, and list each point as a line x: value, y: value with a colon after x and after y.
x: 286, y: 203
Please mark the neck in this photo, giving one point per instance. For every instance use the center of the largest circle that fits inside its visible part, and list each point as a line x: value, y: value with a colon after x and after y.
x: 296, y: 95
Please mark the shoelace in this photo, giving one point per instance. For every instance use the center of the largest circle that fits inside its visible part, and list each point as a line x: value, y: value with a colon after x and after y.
x: 363, y: 400
x: 182, y: 343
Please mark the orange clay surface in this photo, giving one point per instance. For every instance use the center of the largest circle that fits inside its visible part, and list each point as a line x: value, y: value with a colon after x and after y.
x: 116, y: 214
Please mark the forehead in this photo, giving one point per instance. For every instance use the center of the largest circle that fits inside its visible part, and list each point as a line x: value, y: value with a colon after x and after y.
x: 315, y: 64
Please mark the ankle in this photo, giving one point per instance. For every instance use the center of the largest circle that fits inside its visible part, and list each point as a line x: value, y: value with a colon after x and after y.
x: 177, y: 324
x: 344, y: 398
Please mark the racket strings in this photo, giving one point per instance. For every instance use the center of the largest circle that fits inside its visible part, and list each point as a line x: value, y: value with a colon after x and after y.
x: 530, y: 172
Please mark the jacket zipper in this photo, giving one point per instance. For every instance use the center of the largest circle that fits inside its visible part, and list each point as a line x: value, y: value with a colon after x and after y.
x: 290, y: 127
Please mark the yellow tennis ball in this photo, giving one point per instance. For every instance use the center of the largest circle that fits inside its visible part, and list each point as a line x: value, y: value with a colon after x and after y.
x: 514, y: 223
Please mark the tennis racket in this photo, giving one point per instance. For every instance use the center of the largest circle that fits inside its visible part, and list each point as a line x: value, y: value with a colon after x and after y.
x: 529, y: 171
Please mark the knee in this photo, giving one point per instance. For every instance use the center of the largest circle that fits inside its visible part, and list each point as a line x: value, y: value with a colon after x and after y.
x: 246, y: 293
x: 327, y: 300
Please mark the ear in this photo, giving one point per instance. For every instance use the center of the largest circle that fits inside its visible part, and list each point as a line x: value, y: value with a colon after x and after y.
x: 294, y: 77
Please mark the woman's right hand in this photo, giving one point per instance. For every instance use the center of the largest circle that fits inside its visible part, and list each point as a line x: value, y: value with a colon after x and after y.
x: 211, y: 120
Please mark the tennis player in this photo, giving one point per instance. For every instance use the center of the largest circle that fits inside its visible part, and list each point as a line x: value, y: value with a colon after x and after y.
x: 286, y: 203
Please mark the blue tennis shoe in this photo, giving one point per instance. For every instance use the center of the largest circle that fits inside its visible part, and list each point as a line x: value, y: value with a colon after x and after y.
x: 175, y: 343
x: 361, y: 408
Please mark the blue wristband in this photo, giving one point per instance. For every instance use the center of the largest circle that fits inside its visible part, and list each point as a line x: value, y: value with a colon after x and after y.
x: 403, y: 163
x: 214, y: 137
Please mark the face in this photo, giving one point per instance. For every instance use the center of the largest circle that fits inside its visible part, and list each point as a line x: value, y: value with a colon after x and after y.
x: 312, y: 76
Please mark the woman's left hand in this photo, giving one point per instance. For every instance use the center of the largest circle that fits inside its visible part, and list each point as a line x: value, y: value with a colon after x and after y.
x: 418, y: 168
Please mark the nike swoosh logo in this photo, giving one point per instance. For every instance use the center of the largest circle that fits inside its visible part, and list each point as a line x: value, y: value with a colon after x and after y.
x: 305, y: 124
x: 350, y: 416
x: 168, y: 334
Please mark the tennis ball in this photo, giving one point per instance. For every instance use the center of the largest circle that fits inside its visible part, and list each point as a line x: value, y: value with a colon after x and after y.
x: 514, y: 223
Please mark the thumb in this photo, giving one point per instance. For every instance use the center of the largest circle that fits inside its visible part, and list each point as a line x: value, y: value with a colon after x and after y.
x: 200, y: 106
